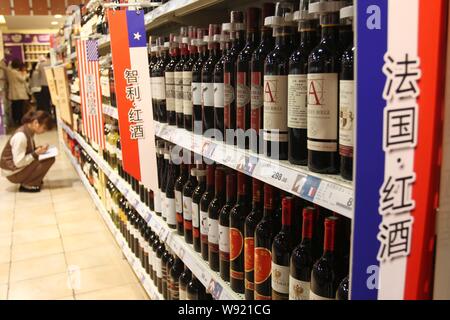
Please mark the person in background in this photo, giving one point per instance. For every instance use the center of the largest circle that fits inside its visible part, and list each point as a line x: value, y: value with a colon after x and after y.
x: 17, y: 88
x: 35, y: 83
x: 19, y: 160
x: 45, y: 101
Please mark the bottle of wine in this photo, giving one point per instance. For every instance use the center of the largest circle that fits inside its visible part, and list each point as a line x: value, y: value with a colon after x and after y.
x: 224, y: 227
x: 152, y: 69
x: 172, y: 173
x: 179, y: 184
x: 164, y: 261
x: 175, y: 273
x: 206, y: 199
x: 155, y: 246
x: 185, y: 278
x: 343, y: 290
x: 251, y: 221
x: 324, y: 281
x: 151, y: 265
x: 208, y: 77
x: 197, y: 116
x: 276, y: 69
x: 187, y: 78
x: 213, y: 219
x: 243, y: 66
x: 281, y: 250
x: 263, y: 246
x: 159, y: 266
x: 169, y: 265
x: 196, y: 197
x: 170, y: 79
x: 237, y: 37
x: 257, y: 72
x: 160, y: 165
x: 183, y: 41
x: 297, y: 86
x: 237, y: 223
x: 323, y: 95
x: 195, y: 290
x: 164, y: 181
x: 188, y: 190
x: 159, y: 85
x: 147, y: 249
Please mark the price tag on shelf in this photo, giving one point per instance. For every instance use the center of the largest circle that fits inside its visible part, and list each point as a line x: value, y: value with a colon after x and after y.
x: 276, y: 175
x: 310, y: 188
x: 336, y: 198
x: 215, y: 289
x: 208, y: 149
x: 247, y: 164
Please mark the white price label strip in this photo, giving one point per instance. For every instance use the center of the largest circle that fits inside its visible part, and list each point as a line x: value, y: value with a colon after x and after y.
x: 335, y: 197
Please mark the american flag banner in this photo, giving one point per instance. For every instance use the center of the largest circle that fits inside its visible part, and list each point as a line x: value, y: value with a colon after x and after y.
x: 90, y: 92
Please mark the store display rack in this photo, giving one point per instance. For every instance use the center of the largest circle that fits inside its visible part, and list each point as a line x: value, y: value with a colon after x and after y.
x: 210, y: 279
x: 107, y: 109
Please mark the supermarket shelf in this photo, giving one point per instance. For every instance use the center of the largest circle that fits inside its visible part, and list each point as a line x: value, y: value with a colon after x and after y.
x: 329, y: 191
x: 75, y: 98
x: 210, y: 279
x: 135, y: 263
x: 110, y: 111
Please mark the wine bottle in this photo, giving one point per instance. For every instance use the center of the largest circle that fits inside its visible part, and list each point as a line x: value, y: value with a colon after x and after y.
x: 324, y: 281
x: 237, y: 223
x: 153, y: 74
x: 155, y: 246
x: 297, y: 221
x: 208, y: 77
x: 179, y: 184
x: 323, y: 96
x: 243, y: 66
x: 224, y: 227
x: 251, y: 222
x: 159, y: 85
x: 185, y: 278
x: 213, y: 219
x: 150, y: 255
x: 169, y: 265
x: 197, y: 116
x: 257, y: 72
x: 172, y: 174
x: 206, y: 199
x: 159, y: 266
x: 281, y: 250
x: 276, y: 69
x: 195, y: 290
x: 297, y: 87
x: 188, y: 190
x: 170, y: 79
x: 263, y: 246
x: 164, y: 181
x: 175, y: 273
x: 343, y: 290
x: 196, y: 197
x: 183, y: 43
x: 164, y: 261
x: 187, y: 79
x: 160, y: 165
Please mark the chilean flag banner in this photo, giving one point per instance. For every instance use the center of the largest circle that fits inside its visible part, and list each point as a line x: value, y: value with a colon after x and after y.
x: 132, y: 85
x: 401, y: 47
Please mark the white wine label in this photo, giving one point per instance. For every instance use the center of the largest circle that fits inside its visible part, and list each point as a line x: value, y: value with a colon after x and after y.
x: 171, y: 213
x: 196, y: 93
x: 208, y: 94
x: 346, y: 112
x: 187, y: 92
x: 195, y: 215
x: 158, y: 267
x: 104, y: 84
x: 275, y: 103
x: 179, y: 92
x: 187, y: 208
x: 204, y: 226
x: 224, y: 238
x: 313, y: 296
x: 228, y: 94
x: 323, y: 111
x: 275, y: 135
x: 178, y: 201
x: 163, y: 204
x: 159, y: 88
x: 297, y: 103
x: 243, y: 95
x: 170, y: 91
x: 213, y: 231
x: 280, y: 278
x: 157, y: 201
x: 218, y: 95
x: 298, y: 290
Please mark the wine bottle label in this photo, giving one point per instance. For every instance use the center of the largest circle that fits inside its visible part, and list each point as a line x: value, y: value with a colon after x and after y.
x: 263, y: 264
x: 208, y: 94
x: 187, y: 92
x: 262, y: 297
x: 196, y: 93
x: 104, y: 84
x: 313, y: 296
x: 249, y: 285
x: 224, y: 241
x: 275, y: 108
x: 256, y: 100
x: 159, y: 88
x: 171, y: 212
x: 158, y: 267
x: 280, y: 278
x: 322, y: 111
x: 236, y: 243
x: 249, y: 254
x: 170, y: 91
x: 178, y: 201
x: 187, y: 208
x: 298, y: 290
x: 183, y: 294
x: 228, y: 89
x: 213, y: 231
x: 218, y: 95
x: 242, y: 98
x: 195, y: 215
x: 179, y: 92
x: 204, y: 225
x: 174, y: 290
x: 346, y: 117
x: 297, y: 103
x: 163, y: 204
x: 157, y: 202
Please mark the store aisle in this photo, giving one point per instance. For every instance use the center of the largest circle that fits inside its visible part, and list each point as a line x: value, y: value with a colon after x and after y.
x: 55, y: 245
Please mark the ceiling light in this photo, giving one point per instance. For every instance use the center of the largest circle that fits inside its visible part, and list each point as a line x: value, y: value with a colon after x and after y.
x: 58, y: 16
x: 54, y: 23
x: 2, y: 19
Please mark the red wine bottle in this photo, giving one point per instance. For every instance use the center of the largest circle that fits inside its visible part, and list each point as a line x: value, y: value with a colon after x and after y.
x: 172, y: 174
x: 156, y: 265
x: 297, y: 86
x: 197, y: 116
x: 251, y: 222
x: 185, y: 278
x: 164, y: 261
x: 263, y: 246
x: 159, y: 84
x: 206, y: 199
x: 179, y: 184
x: 243, y: 66
x: 224, y: 227
x: 175, y: 273
x: 276, y: 69
x: 187, y: 78
x: 164, y: 181
x: 257, y: 75
x: 323, y: 96
x: 188, y: 190
x: 159, y: 164
x: 196, y: 197
x: 170, y: 79
x: 324, y: 281
x: 183, y: 43
x: 213, y: 219
x: 208, y: 77
x: 150, y: 255
x: 237, y: 38
x: 237, y: 224
x: 153, y: 75
x: 195, y: 290
x: 159, y: 266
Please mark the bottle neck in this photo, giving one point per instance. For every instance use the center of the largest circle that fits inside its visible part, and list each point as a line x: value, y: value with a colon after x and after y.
x: 308, y: 37
x: 283, y: 37
x: 214, y: 49
x: 266, y: 34
x: 330, y: 33
x: 330, y: 233
x: 239, y: 39
x: 307, y: 226
x: 253, y: 37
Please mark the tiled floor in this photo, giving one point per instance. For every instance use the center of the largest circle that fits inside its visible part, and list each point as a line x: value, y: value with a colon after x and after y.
x: 55, y: 245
